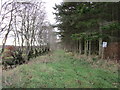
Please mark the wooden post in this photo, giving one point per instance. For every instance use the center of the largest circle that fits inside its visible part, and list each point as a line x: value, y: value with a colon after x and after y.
x: 104, y: 44
x: 102, y: 55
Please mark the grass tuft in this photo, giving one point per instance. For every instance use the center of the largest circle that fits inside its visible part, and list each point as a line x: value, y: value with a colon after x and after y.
x: 61, y: 70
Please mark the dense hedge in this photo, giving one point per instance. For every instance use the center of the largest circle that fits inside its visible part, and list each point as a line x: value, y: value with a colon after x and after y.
x: 13, y: 57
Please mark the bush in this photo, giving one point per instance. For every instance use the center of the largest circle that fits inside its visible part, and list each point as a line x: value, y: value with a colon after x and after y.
x: 12, y: 57
x: 9, y: 51
x: 95, y: 59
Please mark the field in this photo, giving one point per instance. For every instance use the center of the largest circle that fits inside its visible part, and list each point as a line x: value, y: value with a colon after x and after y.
x: 62, y: 70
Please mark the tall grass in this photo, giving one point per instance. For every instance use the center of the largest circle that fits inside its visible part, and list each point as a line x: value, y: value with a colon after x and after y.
x: 60, y: 70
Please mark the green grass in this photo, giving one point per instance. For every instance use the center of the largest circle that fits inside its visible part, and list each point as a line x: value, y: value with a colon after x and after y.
x: 63, y: 71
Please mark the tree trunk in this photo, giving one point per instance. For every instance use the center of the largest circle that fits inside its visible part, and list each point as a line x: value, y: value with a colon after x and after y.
x: 80, y: 48
x: 89, y: 47
x: 84, y: 47
x: 87, y: 44
x: 27, y: 50
x: 8, y: 30
x: 100, y: 47
x: 100, y: 42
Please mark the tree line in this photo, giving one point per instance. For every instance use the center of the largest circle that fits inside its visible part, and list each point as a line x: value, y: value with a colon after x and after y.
x: 84, y: 26
x: 26, y: 22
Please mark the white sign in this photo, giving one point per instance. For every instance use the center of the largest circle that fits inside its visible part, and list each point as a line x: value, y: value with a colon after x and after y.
x: 104, y: 44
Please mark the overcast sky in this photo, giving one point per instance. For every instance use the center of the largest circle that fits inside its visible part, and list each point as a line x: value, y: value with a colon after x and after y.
x: 49, y: 4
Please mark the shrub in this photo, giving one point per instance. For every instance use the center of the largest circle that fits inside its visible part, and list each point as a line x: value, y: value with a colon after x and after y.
x: 9, y: 51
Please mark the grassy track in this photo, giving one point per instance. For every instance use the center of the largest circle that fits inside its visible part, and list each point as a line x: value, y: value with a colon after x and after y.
x: 61, y: 70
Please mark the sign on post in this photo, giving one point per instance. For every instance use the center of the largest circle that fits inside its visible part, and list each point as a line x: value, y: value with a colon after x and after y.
x: 104, y: 44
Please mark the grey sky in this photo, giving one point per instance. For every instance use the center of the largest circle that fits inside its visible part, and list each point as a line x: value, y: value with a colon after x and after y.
x: 49, y: 9
x: 49, y: 4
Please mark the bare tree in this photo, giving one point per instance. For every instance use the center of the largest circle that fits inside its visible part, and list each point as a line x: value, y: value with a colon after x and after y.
x: 7, y: 10
x: 28, y: 24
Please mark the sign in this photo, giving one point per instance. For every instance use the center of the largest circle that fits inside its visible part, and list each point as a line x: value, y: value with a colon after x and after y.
x: 104, y: 44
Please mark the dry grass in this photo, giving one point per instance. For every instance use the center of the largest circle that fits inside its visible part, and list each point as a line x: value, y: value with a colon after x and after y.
x: 62, y: 70
x: 99, y: 63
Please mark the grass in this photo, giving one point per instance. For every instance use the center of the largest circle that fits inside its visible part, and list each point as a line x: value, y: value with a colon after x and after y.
x: 61, y: 70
